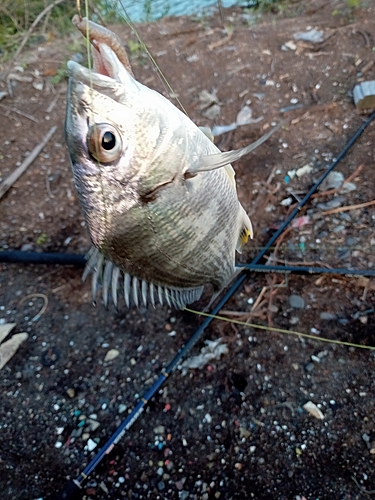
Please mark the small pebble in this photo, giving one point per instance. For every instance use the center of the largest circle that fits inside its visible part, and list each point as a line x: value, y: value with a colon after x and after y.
x: 122, y: 408
x: 160, y: 429
x: 309, y: 367
x: 296, y: 302
x: 111, y: 354
x: 91, y: 445
x: 313, y: 410
x: 326, y: 316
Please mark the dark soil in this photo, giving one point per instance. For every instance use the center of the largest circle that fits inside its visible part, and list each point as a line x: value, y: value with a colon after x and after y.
x: 235, y: 429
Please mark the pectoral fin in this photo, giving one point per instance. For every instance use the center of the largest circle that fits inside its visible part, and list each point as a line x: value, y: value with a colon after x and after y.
x: 211, y: 162
x: 246, y: 232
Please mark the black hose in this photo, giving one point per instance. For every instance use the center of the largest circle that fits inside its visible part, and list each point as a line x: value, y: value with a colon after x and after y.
x: 20, y: 257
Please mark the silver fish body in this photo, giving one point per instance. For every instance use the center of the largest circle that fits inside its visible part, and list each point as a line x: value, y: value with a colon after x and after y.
x: 155, y: 209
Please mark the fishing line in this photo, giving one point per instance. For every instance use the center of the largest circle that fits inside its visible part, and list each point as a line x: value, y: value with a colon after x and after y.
x: 162, y: 77
x: 278, y: 330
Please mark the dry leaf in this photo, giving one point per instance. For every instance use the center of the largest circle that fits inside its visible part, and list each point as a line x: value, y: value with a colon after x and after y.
x: 9, y: 348
x: 5, y: 329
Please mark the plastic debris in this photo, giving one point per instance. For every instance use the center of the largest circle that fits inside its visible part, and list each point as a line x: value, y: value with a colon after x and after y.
x: 313, y: 410
x: 210, y: 103
x: 364, y: 95
x: 244, y: 117
x: 212, y: 350
x: 301, y: 221
x: 333, y: 180
x: 286, y: 202
x: 312, y: 36
x: 306, y: 169
x: 290, y: 45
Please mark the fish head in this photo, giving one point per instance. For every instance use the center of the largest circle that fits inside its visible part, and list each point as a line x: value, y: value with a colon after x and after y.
x: 113, y: 124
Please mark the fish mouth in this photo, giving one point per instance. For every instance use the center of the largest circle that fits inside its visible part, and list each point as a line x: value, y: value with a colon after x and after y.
x: 110, y: 61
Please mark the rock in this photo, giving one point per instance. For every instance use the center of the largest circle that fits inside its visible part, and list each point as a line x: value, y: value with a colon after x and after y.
x: 244, y: 433
x: 71, y: 392
x: 122, y: 408
x: 160, y: 429
x: 348, y: 186
x: 309, y: 367
x: 326, y: 316
x: 111, y: 354
x: 27, y: 247
x: 296, y: 302
x: 313, y: 410
x: 92, y: 424
x: 286, y: 201
x: 91, y: 445
x: 335, y: 203
x: 351, y: 241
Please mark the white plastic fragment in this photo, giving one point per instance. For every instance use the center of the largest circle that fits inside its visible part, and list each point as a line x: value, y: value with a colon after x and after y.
x: 312, y: 36
x: 290, y: 45
x: 306, y: 169
x: 286, y: 202
x: 313, y: 410
x: 333, y: 180
x: 364, y: 95
x: 212, y: 350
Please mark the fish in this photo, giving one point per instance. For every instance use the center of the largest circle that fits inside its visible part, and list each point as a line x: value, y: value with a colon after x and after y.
x: 158, y: 197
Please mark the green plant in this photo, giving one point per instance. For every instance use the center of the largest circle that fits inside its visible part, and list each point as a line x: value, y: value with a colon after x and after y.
x: 42, y: 239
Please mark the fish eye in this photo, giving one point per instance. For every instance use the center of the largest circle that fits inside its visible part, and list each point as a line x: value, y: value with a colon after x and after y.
x: 104, y: 142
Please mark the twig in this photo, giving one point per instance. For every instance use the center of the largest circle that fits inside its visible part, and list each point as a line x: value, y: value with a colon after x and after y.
x: 37, y: 296
x: 256, y: 303
x: 12, y: 178
x: 31, y: 29
x: 221, y: 42
x: 14, y: 110
x: 362, y: 489
x: 349, y: 207
x: 364, y: 35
